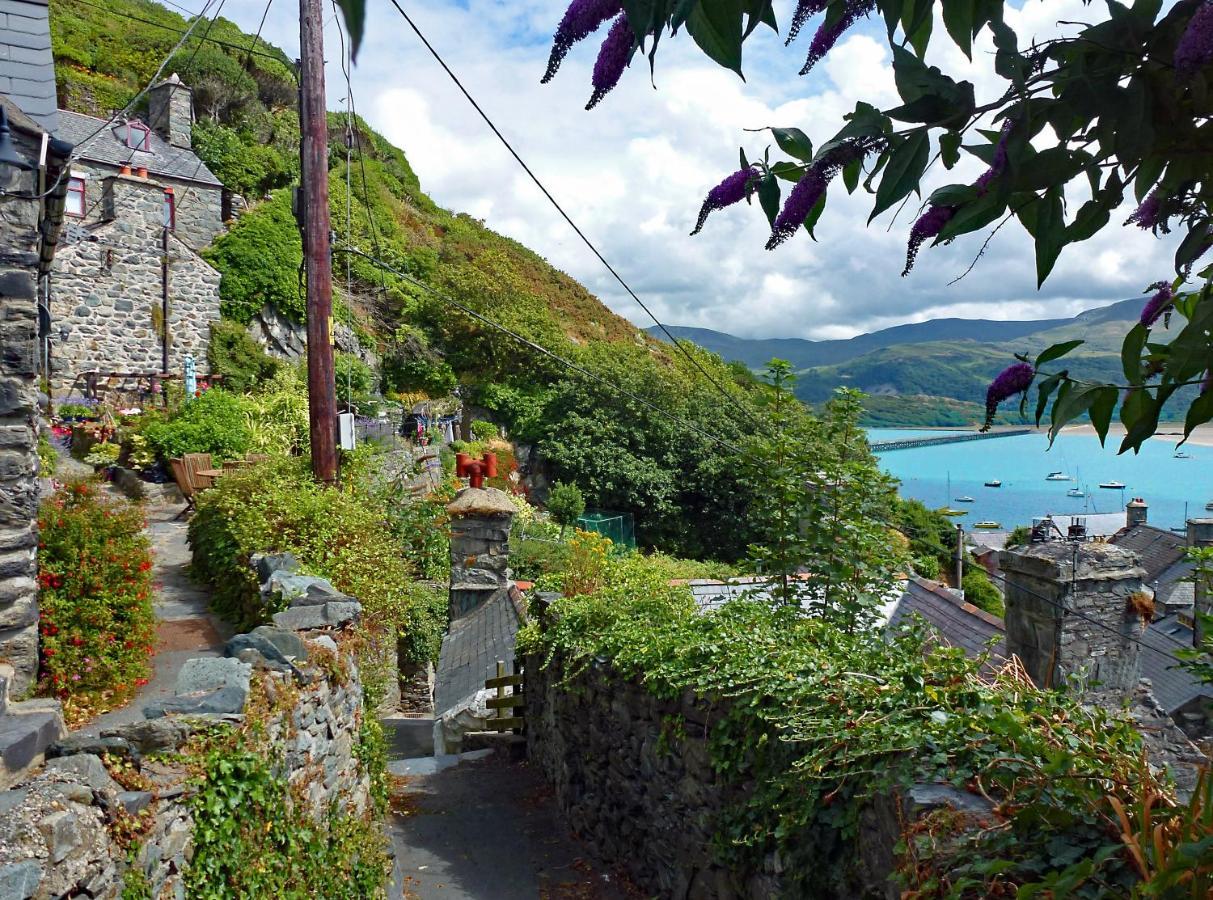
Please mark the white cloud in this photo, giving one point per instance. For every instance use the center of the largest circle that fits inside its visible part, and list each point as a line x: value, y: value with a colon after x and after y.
x: 634, y: 171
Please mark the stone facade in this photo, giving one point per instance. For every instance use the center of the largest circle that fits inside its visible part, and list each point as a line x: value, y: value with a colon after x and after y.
x: 19, y: 270
x: 282, y: 337
x: 170, y: 111
x: 56, y: 829
x: 1070, y: 614
x: 107, y: 298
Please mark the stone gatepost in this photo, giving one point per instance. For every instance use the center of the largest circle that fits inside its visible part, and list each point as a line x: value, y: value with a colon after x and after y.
x: 480, y: 548
x: 1070, y: 613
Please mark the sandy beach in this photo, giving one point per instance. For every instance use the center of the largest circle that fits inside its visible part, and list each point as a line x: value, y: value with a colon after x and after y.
x: 1171, y: 432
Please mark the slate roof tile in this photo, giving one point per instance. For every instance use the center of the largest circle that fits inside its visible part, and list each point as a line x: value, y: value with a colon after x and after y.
x: 108, y: 146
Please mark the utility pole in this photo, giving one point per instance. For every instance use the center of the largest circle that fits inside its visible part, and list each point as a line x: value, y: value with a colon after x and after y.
x: 960, y: 556
x: 313, y: 123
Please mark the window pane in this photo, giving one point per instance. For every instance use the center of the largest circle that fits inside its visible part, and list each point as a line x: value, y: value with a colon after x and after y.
x: 75, y: 197
x: 169, y: 211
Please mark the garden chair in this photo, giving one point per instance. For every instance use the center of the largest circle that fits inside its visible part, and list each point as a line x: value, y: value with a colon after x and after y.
x: 181, y: 474
x: 253, y: 458
x: 199, y: 462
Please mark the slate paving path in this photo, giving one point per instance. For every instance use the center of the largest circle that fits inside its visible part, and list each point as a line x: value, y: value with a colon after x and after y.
x: 184, y: 628
x: 489, y: 830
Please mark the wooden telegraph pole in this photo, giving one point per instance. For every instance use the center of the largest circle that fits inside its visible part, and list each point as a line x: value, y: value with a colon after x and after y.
x: 322, y: 391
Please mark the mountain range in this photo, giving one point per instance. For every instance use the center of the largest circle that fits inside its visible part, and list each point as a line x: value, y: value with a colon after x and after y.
x: 928, y: 373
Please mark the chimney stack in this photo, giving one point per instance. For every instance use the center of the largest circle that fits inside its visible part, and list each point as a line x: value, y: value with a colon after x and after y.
x: 170, y: 106
x: 1070, y: 612
x: 1200, y: 534
x: 1136, y: 512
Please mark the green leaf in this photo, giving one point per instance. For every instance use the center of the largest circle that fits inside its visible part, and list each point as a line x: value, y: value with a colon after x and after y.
x: 354, y: 14
x: 768, y: 196
x: 788, y: 171
x: 958, y: 18
x: 1199, y: 412
x: 1072, y: 401
x: 1130, y: 353
x: 1195, y: 242
x: 850, y: 175
x: 794, y: 142
x: 1102, y: 408
x: 1057, y: 351
x: 717, y: 28
x: 904, y: 170
x: 973, y: 215
x: 810, y: 221
x: 1050, y: 234
x: 1044, y: 389
x: 949, y: 148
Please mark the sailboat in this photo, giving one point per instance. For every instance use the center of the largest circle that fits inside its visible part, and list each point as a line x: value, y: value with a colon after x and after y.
x: 1057, y: 476
x: 1076, y: 491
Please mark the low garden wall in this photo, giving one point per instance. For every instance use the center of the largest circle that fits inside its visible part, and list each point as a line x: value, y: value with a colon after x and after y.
x: 633, y: 774
x: 220, y: 789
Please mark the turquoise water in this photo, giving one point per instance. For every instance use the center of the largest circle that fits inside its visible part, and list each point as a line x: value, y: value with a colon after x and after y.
x: 1022, y: 463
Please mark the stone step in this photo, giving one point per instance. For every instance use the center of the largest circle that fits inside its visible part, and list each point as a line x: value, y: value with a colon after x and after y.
x: 25, y: 737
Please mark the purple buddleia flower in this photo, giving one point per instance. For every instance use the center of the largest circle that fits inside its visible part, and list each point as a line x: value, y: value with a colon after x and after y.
x: 812, y: 185
x: 1195, y: 48
x: 581, y: 19
x: 732, y: 190
x: 828, y: 34
x: 998, y: 164
x: 804, y: 9
x: 929, y: 224
x: 1149, y: 214
x: 1010, y: 381
x: 1158, y: 304
x: 613, y: 58
x: 796, y: 208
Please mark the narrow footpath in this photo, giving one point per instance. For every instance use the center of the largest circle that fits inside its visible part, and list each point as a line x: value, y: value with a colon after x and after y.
x: 488, y: 829
x: 184, y: 626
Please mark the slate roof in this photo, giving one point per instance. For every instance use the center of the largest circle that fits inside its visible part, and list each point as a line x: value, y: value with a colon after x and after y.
x: 108, y: 146
x: 1173, y: 687
x: 471, y: 648
x: 1164, y: 559
x: 953, y: 621
x: 27, y: 68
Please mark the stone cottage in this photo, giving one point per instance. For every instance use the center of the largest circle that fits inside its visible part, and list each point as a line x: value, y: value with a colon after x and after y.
x: 31, y: 211
x: 140, y: 206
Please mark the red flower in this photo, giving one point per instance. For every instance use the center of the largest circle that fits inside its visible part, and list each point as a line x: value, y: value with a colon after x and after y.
x: 144, y: 566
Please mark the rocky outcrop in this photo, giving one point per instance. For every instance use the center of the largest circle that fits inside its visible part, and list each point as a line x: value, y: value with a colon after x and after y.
x: 282, y: 337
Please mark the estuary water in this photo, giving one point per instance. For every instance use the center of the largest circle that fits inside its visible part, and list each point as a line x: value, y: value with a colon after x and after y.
x: 1022, y: 463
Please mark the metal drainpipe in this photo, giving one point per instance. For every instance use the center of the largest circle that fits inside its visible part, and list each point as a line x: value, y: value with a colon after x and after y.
x: 164, y: 243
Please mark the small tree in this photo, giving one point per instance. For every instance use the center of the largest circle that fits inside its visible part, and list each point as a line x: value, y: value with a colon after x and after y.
x: 565, y: 504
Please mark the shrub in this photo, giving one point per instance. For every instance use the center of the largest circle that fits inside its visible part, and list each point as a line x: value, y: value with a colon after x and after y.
x: 103, y: 454
x: 48, y: 459
x: 214, y: 423
x: 97, y: 625
x: 484, y: 431
x: 980, y: 591
x: 259, y: 259
x: 278, y: 420
x: 334, y: 532
x: 241, y: 361
x: 566, y: 504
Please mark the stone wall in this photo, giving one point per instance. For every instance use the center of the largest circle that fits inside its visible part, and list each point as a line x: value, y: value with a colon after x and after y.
x: 286, y: 339
x: 62, y: 831
x: 1069, y: 613
x: 480, y: 548
x: 106, y: 299
x: 633, y: 776
x: 199, y: 207
x: 18, y: 428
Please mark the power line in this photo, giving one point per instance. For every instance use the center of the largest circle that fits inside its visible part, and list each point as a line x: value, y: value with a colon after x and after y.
x: 556, y: 204
x: 527, y: 342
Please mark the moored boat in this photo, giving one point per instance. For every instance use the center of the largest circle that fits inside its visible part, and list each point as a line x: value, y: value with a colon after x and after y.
x: 1112, y: 485
x: 989, y: 526
x: 1057, y: 476
x: 993, y: 482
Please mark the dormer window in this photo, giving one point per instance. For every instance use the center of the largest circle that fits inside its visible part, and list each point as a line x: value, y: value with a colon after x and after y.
x: 138, y: 136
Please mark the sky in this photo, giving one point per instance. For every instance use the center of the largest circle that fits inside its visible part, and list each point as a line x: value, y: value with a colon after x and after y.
x: 633, y: 171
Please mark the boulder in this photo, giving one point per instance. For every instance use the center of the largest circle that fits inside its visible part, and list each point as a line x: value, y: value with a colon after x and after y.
x: 74, y: 744
x: 329, y: 615
x: 209, y: 673
x: 86, y: 769
x: 217, y: 702
x: 267, y: 564
x: 150, y: 736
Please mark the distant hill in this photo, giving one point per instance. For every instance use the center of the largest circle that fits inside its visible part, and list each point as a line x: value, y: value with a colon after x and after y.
x: 927, y: 363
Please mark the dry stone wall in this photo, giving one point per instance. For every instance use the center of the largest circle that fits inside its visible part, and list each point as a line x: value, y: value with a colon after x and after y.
x: 107, y: 301
x: 64, y: 831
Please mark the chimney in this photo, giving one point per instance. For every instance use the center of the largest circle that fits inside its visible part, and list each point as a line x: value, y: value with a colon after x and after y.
x: 480, y: 548
x: 1070, y: 613
x: 1136, y: 512
x: 170, y: 107
x: 1200, y: 534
